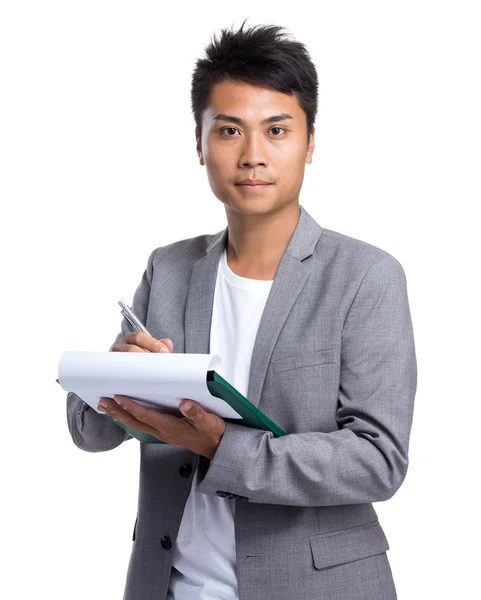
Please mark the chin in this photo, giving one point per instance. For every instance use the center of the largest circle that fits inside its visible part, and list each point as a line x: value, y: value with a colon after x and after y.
x: 250, y: 206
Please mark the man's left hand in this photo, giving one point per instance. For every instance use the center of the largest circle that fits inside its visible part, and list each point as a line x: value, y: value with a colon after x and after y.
x: 198, y: 430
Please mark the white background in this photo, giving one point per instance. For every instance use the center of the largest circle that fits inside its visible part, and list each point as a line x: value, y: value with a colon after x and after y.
x: 98, y: 168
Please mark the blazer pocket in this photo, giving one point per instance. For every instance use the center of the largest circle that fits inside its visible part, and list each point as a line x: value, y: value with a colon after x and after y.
x: 323, y: 356
x: 346, y: 545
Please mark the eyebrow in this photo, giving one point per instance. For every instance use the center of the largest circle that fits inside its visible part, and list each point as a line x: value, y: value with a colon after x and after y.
x: 239, y: 121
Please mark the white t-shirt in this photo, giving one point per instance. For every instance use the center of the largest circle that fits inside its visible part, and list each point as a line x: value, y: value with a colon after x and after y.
x: 204, y: 554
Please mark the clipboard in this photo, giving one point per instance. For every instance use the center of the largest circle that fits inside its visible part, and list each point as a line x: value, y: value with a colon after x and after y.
x: 219, y: 387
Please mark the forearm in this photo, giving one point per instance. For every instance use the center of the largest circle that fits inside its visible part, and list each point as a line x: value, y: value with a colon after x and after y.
x: 308, y: 469
x: 90, y: 430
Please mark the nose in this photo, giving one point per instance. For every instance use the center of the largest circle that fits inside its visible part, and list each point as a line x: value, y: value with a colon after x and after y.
x: 253, y: 152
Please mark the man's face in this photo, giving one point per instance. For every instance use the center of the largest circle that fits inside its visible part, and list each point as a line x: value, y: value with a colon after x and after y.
x: 236, y: 144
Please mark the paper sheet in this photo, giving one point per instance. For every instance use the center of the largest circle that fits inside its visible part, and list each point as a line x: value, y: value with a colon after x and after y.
x: 153, y: 379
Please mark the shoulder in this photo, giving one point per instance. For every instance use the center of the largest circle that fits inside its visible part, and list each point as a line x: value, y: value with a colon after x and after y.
x: 185, y: 251
x: 356, y: 257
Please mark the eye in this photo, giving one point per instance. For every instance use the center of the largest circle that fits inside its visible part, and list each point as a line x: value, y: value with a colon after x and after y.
x: 227, y: 128
x: 281, y: 128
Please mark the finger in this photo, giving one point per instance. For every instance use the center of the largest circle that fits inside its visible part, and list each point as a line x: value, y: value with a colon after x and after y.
x: 169, y: 343
x: 193, y: 411
x: 145, y: 340
x: 121, y: 347
x: 124, y: 416
x: 160, y: 421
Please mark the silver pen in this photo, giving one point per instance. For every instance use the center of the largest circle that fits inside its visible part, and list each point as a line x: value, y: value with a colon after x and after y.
x: 133, y: 321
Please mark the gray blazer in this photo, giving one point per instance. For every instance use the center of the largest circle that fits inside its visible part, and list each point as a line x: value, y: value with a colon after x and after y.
x: 334, y: 365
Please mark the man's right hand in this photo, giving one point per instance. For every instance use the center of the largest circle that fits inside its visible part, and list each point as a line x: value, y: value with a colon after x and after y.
x: 140, y: 341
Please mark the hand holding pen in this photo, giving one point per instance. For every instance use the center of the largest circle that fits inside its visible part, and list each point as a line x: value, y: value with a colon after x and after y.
x: 139, y: 340
x: 198, y: 430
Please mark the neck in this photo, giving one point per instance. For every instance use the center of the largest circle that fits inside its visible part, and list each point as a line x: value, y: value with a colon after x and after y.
x: 256, y: 243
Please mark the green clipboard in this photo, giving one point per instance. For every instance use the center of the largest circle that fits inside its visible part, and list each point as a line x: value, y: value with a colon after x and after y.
x: 219, y: 387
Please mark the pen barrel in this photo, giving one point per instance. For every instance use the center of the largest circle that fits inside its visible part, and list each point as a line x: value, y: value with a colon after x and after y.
x: 131, y: 318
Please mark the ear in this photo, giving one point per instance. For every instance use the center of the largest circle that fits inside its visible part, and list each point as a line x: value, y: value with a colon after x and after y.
x: 311, y: 146
x: 198, y: 143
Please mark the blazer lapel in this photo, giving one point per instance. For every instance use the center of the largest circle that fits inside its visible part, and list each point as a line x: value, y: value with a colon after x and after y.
x: 200, y: 297
x: 289, y: 280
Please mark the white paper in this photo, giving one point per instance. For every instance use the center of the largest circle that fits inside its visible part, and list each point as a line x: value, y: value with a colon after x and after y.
x: 153, y: 379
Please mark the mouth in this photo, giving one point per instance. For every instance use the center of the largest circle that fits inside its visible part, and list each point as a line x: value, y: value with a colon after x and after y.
x: 253, y: 188
x: 253, y: 185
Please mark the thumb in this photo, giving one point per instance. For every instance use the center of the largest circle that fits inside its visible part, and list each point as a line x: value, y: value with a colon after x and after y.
x: 191, y: 409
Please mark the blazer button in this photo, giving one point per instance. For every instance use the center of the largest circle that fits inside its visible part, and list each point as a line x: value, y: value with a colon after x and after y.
x: 222, y: 494
x: 185, y: 470
x: 166, y: 542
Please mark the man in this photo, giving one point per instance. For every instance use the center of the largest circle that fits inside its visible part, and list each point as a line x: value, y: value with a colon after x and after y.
x: 313, y: 327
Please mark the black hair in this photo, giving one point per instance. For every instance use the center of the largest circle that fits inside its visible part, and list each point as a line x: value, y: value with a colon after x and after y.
x: 259, y: 56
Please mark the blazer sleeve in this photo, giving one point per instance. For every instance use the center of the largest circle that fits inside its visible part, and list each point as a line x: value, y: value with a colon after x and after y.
x: 90, y: 430
x: 366, y: 459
